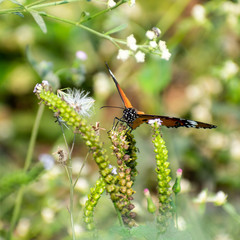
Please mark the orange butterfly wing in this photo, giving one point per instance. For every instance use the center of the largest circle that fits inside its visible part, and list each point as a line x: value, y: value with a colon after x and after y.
x: 170, y: 122
x: 124, y: 98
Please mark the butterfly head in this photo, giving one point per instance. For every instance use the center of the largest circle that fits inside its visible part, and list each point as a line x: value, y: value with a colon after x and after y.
x: 129, y: 115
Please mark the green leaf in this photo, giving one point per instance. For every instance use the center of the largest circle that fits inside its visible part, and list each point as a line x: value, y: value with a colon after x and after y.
x: 16, y: 2
x: 39, y: 20
x: 117, y: 29
x: 19, y: 14
x: 155, y: 76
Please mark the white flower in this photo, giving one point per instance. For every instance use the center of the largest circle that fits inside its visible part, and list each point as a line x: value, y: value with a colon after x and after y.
x: 198, y: 12
x: 80, y: 101
x: 166, y: 54
x: 220, y: 198
x: 47, y: 161
x: 153, y: 44
x: 48, y: 215
x: 131, y: 42
x: 234, y: 147
x: 39, y: 86
x: 140, y: 56
x: 78, y: 230
x: 81, y: 55
x: 202, y: 197
x: 131, y: 3
x: 150, y: 34
x: 152, y: 121
x: 162, y: 45
x: 123, y: 54
x: 229, y: 69
x: 111, y: 3
x: 114, y: 169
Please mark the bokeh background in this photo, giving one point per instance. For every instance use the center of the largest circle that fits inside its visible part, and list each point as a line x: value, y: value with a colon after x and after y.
x: 200, y: 81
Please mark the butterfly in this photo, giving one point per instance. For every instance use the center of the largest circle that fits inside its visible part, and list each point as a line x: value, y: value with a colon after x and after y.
x: 134, y: 118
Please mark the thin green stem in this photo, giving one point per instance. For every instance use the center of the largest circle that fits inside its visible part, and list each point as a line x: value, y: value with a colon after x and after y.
x: 28, y: 161
x: 103, y: 11
x: 115, y: 41
x: 31, y: 6
x: 68, y: 169
x: 35, y: 3
x: 80, y: 171
x: 118, y: 214
x: 12, y: 10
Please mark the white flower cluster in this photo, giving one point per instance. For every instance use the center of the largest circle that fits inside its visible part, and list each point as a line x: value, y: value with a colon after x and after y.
x: 152, y: 46
x: 40, y: 86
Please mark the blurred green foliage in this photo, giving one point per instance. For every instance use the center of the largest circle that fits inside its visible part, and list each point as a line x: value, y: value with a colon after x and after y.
x: 201, y: 81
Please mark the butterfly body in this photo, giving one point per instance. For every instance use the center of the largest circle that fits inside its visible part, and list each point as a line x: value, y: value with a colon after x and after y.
x: 135, y: 118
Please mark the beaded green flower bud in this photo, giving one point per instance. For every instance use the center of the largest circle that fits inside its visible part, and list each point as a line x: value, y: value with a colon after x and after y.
x: 123, y: 145
x: 92, y: 201
x: 70, y: 111
x: 177, y: 185
x: 163, y: 172
x: 151, y: 207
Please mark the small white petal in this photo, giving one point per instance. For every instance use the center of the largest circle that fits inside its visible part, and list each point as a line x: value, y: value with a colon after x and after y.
x: 229, y: 69
x: 123, y: 54
x: 202, y: 197
x: 198, y: 12
x: 140, y: 56
x: 48, y: 215
x: 153, y: 44
x: 152, y: 121
x: 81, y: 55
x: 111, y: 3
x: 39, y: 86
x: 131, y: 3
x: 162, y: 45
x: 150, y: 34
x: 131, y: 42
x: 220, y: 198
x: 166, y: 54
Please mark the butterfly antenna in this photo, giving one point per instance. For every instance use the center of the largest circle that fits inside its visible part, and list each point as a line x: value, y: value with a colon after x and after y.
x: 111, y: 107
x: 112, y: 75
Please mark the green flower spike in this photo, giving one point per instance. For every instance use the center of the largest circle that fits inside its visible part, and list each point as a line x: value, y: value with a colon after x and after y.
x: 163, y: 172
x: 123, y: 146
x: 92, y: 201
x: 69, y: 109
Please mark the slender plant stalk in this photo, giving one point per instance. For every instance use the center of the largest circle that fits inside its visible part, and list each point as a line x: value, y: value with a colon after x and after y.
x: 80, y: 171
x: 118, y: 214
x: 68, y: 169
x: 28, y: 161
x: 34, y: 6
x: 113, y: 40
